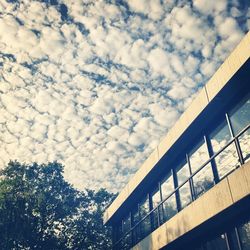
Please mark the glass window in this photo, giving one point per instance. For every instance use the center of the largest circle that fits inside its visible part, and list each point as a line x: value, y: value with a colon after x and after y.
x: 232, y: 240
x: 169, y: 206
x: 167, y: 186
x: 145, y: 225
x: 240, y: 118
x: 185, y: 195
x: 227, y: 160
x: 136, y: 231
x: 244, y: 233
x: 182, y: 173
x: 126, y: 225
x: 240, y: 115
x: 203, y: 180
x: 117, y: 231
x: 218, y: 243
x: 156, y: 199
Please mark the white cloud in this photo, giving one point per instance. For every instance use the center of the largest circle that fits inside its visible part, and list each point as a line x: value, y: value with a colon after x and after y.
x: 210, y: 7
x: 159, y: 62
x: 98, y: 91
x: 151, y: 8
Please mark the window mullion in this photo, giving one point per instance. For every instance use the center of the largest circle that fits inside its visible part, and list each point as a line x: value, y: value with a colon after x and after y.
x: 191, y: 184
x: 236, y: 141
x: 213, y: 164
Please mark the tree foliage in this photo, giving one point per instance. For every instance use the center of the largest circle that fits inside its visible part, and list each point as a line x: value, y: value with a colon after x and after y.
x: 40, y: 210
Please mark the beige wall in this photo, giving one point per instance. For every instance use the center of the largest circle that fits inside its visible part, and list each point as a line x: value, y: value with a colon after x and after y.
x: 223, y: 195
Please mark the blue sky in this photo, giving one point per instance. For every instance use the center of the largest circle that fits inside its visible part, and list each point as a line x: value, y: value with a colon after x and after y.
x: 95, y: 85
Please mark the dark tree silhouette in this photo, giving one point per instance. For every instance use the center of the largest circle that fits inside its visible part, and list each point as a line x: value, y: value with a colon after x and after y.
x: 40, y: 210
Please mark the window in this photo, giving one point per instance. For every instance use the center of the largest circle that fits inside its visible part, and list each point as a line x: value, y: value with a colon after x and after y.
x: 169, y: 206
x: 218, y: 243
x: 227, y: 160
x: 145, y: 225
x: 240, y: 118
x: 126, y: 226
x: 182, y: 173
x: 135, y: 219
x: 157, y: 213
x: 203, y: 180
x: 244, y: 233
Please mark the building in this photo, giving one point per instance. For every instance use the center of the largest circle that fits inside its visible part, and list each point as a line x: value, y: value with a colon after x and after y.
x: 193, y: 192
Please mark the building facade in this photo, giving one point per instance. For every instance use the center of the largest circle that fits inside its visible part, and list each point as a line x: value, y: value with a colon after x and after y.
x: 193, y: 192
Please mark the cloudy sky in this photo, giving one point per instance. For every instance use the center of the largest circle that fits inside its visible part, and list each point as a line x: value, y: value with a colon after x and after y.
x: 95, y: 84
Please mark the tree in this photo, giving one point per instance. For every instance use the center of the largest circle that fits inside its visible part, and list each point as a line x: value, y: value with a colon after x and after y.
x: 40, y: 210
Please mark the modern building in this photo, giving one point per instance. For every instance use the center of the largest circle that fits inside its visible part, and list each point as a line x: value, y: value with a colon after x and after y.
x: 193, y: 192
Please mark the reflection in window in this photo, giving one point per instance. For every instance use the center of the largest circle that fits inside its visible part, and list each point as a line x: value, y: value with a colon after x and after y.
x: 118, y: 231
x: 203, y: 180
x: 244, y: 233
x: 183, y: 173
x: 240, y: 118
x: 227, y: 160
x: 135, y: 220
x: 156, y: 199
x: 126, y: 225
x: 233, y: 240
x: 185, y: 195
x: 218, y: 243
x: 145, y: 225
x: 167, y: 186
x: 169, y: 206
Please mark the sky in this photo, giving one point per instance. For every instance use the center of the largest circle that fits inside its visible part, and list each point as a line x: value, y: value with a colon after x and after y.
x: 95, y: 85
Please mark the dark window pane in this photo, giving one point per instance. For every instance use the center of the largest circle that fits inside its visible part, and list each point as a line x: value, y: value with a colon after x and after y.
x: 232, y: 240
x: 227, y: 160
x: 135, y: 216
x: 198, y: 156
x: 182, y: 173
x: 204, y: 179
x: 127, y: 240
x: 136, y: 234
x: 240, y: 118
x: 145, y: 225
x: 218, y: 243
x: 169, y: 207
x: 126, y: 224
x: 167, y: 186
x: 240, y: 115
x: 136, y: 230
x: 117, y: 232
x: 244, y: 233
x: 156, y: 199
x: 144, y: 208
x: 185, y: 195
x: 244, y: 141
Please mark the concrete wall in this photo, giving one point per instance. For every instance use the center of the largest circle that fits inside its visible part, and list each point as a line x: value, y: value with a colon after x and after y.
x: 231, y: 65
x: 222, y: 196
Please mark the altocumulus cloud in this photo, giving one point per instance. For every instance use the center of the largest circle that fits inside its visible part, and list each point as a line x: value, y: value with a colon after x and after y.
x: 96, y: 84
